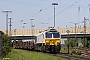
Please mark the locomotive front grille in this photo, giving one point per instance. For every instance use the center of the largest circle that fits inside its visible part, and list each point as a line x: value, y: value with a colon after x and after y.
x: 52, y: 42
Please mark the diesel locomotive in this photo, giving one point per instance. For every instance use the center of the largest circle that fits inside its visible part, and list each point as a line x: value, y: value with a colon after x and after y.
x: 45, y: 41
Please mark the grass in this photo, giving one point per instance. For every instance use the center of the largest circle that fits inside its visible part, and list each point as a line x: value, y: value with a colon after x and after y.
x: 18, y: 54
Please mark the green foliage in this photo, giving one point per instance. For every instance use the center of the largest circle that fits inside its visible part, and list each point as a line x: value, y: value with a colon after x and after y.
x: 66, y: 43
x: 88, y: 44
x: 63, y: 50
x: 5, y: 50
x: 83, y: 41
x: 72, y: 42
x: 6, y: 45
x: 80, y: 45
x: 75, y: 52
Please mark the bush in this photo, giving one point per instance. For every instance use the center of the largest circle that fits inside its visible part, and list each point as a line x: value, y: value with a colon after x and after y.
x: 6, y: 45
x: 75, y: 52
x: 78, y: 53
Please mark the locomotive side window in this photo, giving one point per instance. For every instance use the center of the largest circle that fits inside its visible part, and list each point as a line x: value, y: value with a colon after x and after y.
x: 48, y: 35
x: 56, y: 35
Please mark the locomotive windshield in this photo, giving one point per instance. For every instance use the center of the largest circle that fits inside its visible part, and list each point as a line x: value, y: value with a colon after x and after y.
x: 52, y: 35
x: 48, y: 35
x: 56, y: 35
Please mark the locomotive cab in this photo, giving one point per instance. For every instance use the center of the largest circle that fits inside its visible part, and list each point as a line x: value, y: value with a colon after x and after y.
x: 52, y: 41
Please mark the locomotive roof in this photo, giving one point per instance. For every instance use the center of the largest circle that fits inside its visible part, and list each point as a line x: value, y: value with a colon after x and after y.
x: 48, y: 30
x: 52, y: 30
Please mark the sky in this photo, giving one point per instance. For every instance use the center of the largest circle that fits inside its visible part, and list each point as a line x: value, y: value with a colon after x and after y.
x: 42, y: 11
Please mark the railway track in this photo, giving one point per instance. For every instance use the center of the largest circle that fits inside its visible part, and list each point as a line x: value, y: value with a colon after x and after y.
x: 83, y: 51
x: 71, y: 57
x: 85, y: 55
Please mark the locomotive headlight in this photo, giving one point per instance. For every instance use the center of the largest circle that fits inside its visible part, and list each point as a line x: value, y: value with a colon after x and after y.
x: 53, y: 42
x: 47, y: 43
x: 58, y: 43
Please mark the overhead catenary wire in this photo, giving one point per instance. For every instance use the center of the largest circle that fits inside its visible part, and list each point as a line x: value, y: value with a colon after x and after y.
x: 61, y: 11
x: 67, y: 8
x: 77, y: 16
x: 42, y: 9
x: 37, y: 12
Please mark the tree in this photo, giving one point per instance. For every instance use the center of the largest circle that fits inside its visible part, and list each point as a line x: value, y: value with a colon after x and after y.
x: 6, y: 43
x: 72, y: 42
x: 84, y: 42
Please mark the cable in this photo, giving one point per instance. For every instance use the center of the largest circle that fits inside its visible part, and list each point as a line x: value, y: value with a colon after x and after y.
x: 37, y: 13
x: 61, y: 11
x: 41, y: 11
x: 67, y: 8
